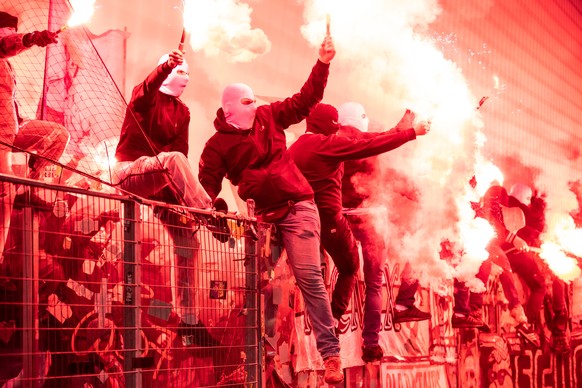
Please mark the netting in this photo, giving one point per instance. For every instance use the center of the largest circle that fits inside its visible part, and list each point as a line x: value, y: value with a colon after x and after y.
x: 71, y: 83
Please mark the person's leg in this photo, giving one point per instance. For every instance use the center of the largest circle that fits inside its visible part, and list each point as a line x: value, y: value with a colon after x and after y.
x: 44, y: 138
x: 468, y: 308
x: 8, y: 126
x: 525, y: 266
x: 559, y: 306
x: 147, y: 176
x: 476, y: 298
x: 406, y: 311
x: 373, y: 254
x: 337, y: 239
x: 407, y: 291
x: 300, y: 232
x: 461, y: 298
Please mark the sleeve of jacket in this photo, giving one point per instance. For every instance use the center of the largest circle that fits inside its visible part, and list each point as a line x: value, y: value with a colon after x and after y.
x: 374, y: 143
x: 211, y: 169
x: 181, y: 142
x: 294, y: 109
x: 11, y: 45
x: 143, y: 93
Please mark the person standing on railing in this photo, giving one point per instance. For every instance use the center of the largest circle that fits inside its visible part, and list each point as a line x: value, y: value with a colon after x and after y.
x: 354, y: 123
x: 46, y: 139
x: 320, y: 155
x: 249, y: 149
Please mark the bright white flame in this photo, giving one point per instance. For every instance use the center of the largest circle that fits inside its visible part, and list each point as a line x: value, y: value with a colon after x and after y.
x: 564, y: 267
x: 82, y: 12
x: 486, y: 174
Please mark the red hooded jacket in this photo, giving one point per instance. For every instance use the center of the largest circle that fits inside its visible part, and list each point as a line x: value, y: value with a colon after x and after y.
x: 257, y: 160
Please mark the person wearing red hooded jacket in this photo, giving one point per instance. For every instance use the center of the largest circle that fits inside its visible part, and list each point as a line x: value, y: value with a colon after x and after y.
x: 249, y: 148
x: 320, y: 155
x: 357, y: 186
x: 46, y: 139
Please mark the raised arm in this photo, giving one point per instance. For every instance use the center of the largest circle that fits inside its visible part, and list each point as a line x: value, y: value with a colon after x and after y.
x: 143, y: 92
x: 294, y: 109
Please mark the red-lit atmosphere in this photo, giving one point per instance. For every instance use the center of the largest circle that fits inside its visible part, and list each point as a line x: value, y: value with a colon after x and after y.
x: 159, y: 213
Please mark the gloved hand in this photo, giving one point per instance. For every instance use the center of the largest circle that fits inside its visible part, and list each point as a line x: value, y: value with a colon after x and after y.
x: 39, y: 38
x: 219, y: 225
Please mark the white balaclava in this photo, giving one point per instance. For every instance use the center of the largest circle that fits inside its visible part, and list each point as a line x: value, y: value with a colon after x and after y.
x: 353, y: 114
x: 239, y: 106
x: 176, y: 82
x: 522, y: 193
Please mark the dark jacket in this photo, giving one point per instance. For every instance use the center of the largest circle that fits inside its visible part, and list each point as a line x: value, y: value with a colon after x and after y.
x: 9, y: 46
x: 154, y: 122
x: 530, y: 232
x: 320, y: 158
x: 257, y: 160
x: 352, y: 196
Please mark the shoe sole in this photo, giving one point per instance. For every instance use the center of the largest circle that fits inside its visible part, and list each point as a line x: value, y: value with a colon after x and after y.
x: 411, y: 320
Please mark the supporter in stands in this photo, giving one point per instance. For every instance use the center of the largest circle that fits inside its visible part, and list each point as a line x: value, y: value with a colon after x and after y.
x: 17, y: 135
x: 249, y: 149
x: 534, y: 271
x: 320, y: 154
x: 152, y: 163
x: 493, y: 203
x: 152, y: 154
x: 524, y: 263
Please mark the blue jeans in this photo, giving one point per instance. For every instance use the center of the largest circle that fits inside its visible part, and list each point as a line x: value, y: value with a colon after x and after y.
x: 300, y: 230
x: 373, y: 254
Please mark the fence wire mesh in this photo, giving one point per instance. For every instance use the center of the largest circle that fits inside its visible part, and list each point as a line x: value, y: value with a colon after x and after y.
x: 101, y: 290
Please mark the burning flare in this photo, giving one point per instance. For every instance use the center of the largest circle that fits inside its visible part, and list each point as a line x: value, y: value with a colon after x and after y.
x: 82, y: 12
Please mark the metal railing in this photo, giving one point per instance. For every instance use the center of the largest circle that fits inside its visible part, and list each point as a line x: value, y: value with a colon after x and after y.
x: 110, y: 290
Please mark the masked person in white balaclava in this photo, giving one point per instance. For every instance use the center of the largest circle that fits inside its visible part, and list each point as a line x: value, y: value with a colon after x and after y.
x: 322, y: 156
x: 249, y: 149
x: 353, y: 114
x: 152, y: 163
x: 154, y: 137
x: 239, y: 105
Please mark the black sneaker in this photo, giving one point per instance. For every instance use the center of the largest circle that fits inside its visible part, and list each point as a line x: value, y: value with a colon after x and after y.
x: 411, y: 314
x: 484, y: 327
x: 468, y: 322
x: 196, y: 334
x: 528, y: 334
x: 372, y: 353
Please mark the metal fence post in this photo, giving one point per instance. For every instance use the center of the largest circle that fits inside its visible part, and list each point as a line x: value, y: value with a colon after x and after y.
x: 132, y: 293
x: 30, y: 334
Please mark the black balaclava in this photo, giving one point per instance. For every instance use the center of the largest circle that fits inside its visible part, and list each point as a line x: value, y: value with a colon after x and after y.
x: 323, y: 119
x: 7, y: 20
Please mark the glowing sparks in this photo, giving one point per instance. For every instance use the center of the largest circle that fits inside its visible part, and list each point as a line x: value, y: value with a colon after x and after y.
x: 82, y: 12
x: 563, y: 266
x: 476, y: 236
x: 486, y: 174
